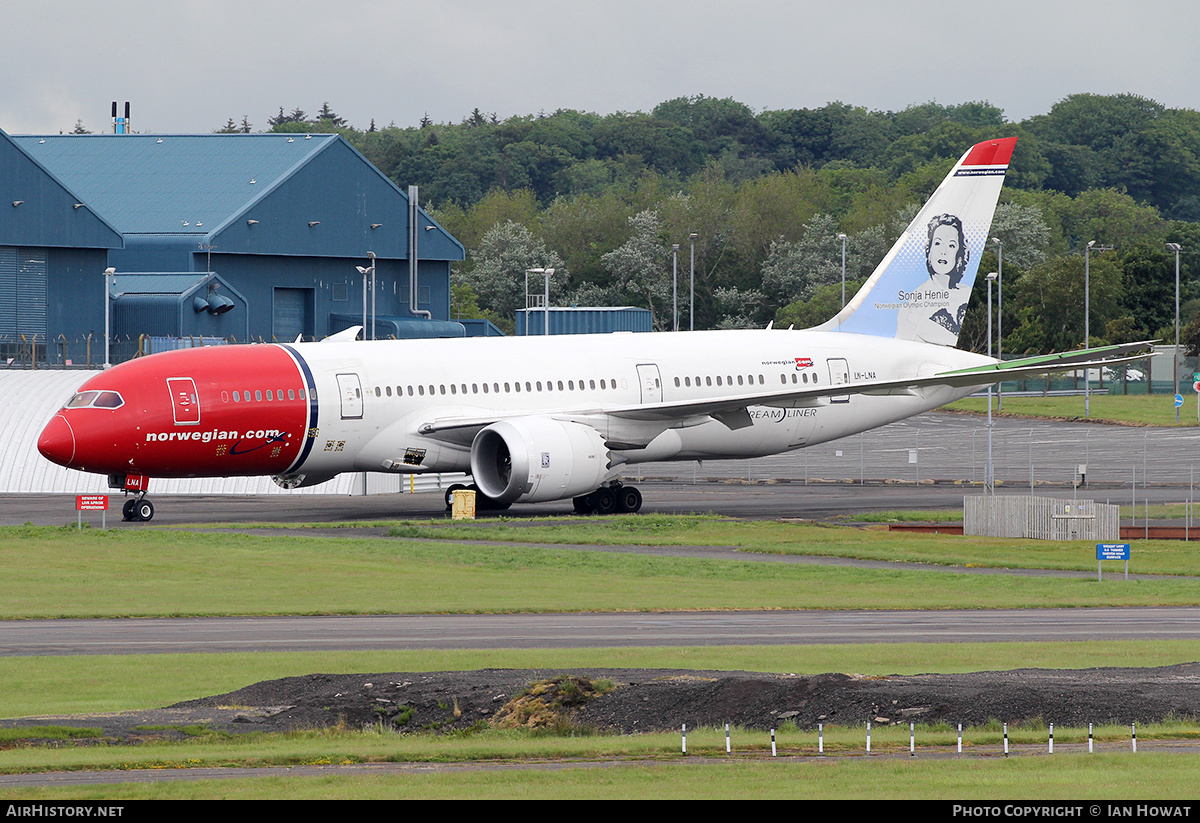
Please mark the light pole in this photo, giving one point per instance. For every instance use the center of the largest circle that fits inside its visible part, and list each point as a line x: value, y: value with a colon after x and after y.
x: 990, y: 479
x: 1175, y: 365
x: 1087, y: 314
x: 1087, y: 309
x: 999, y: 314
x: 365, y: 272
x: 842, y: 237
x: 545, y: 298
x: 674, y: 287
x: 692, y: 285
x: 108, y: 273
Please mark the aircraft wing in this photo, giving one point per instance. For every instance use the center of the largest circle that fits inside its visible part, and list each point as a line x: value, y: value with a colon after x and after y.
x: 1105, y: 356
x: 732, y: 409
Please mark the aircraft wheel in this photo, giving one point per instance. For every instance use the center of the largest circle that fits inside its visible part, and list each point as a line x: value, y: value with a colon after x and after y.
x: 450, y: 494
x: 629, y: 499
x: 127, y: 513
x: 604, y: 501
x: 582, y: 504
x: 143, y: 510
x: 485, y: 503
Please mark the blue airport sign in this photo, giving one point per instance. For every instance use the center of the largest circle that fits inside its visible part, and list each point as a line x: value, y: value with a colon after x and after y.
x: 1178, y: 400
x: 1112, y: 551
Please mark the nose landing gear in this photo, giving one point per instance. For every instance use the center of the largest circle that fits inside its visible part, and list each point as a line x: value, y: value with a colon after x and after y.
x: 137, y: 509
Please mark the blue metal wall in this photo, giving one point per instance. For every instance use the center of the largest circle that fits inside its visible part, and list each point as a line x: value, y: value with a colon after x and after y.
x: 585, y: 320
x: 305, y: 226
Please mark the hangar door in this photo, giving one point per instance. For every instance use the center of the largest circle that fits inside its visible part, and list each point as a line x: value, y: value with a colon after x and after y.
x: 291, y: 314
x: 23, y: 293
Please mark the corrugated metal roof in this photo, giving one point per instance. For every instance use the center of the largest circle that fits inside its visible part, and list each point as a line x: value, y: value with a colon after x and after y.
x: 28, y: 399
x: 171, y: 184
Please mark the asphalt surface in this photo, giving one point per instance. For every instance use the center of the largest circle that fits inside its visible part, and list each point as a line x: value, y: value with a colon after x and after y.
x: 733, y: 497
x: 812, y: 484
x: 816, y: 502
x: 532, y: 631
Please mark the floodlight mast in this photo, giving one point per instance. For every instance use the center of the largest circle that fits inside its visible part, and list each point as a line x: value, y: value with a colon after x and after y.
x: 108, y: 273
x: 545, y: 298
x: 1175, y: 247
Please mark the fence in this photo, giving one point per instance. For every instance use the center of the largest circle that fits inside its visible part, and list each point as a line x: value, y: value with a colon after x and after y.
x: 32, y: 351
x: 1040, y: 518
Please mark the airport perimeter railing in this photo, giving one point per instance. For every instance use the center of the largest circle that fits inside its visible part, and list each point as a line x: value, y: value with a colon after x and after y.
x: 34, y: 352
x: 948, y: 448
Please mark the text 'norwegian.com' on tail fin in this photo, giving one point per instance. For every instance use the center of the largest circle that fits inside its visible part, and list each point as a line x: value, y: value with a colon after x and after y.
x: 919, y: 290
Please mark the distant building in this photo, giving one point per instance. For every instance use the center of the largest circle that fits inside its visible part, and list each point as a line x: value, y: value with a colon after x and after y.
x: 584, y: 320
x: 236, y: 236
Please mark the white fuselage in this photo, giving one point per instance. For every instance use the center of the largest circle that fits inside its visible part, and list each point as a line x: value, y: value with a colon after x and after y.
x: 381, y: 402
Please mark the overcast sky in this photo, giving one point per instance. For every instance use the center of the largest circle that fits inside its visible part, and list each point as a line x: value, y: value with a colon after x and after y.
x: 187, y: 66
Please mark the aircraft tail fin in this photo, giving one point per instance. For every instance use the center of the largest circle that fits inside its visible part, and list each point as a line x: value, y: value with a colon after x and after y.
x: 919, y: 290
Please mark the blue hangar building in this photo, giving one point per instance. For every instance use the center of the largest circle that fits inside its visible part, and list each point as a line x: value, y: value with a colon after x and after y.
x: 244, y: 237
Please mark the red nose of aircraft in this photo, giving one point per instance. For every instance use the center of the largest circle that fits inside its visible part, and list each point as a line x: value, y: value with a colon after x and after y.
x: 57, y: 442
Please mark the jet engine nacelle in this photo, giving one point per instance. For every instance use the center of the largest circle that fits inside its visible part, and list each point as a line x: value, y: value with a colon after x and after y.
x: 535, y: 459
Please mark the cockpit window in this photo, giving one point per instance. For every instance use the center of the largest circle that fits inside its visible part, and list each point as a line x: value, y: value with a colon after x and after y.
x: 82, y: 399
x: 96, y: 400
x: 108, y: 400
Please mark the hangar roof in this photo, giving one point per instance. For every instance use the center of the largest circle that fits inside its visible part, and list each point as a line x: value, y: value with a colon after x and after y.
x: 171, y: 184
x: 246, y: 193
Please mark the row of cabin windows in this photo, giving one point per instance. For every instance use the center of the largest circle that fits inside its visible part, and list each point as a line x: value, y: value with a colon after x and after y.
x: 495, y: 388
x: 748, y: 380
x: 530, y: 386
x: 572, y: 385
x: 277, y: 394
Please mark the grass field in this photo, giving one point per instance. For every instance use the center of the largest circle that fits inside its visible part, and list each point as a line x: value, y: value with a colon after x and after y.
x: 645, y: 765
x: 61, y: 572
x: 1130, y: 409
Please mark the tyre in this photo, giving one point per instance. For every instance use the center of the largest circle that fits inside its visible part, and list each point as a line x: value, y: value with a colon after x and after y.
x: 144, y: 510
x: 450, y: 494
x: 629, y: 499
x: 604, y: 501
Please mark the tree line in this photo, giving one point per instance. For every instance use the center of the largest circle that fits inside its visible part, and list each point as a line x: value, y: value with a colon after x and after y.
x: 603, y: 198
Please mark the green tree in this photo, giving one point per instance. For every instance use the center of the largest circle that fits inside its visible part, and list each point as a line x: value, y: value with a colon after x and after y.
x: 500, y: 261
x: 641, y: 267
x: 327, y: 118
x: 825, y: 302
x: 1148, y: 289
x: 1049, y: 304
x: 793, y: 270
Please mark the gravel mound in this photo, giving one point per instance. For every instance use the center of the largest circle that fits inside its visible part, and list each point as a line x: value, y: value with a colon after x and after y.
x: 639, y: 700
x: 646, y: 700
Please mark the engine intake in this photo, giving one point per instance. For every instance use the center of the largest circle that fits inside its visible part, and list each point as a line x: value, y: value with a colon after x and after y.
x: 535, y: 459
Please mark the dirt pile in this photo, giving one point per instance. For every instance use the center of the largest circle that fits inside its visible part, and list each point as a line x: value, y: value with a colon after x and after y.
x: 635, y: 700
x: 645, y: 700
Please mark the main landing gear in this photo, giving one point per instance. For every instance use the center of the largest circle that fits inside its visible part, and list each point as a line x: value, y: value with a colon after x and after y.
x: 615, y: 499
